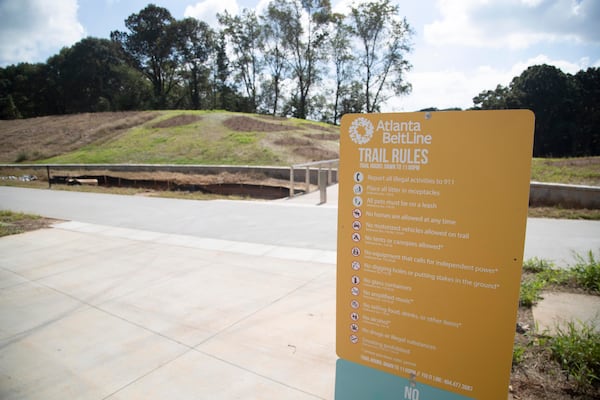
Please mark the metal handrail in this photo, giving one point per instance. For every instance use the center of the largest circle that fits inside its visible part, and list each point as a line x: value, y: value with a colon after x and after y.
x: 330, y: 164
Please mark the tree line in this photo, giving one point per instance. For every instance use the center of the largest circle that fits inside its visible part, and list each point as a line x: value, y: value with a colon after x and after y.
x: 566, y: 107
x: 297, y: 58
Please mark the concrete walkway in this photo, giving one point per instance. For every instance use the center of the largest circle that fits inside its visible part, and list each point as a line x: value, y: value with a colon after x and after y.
x: 557, y: 310
x: 96, y: 312
x: 172, y: 299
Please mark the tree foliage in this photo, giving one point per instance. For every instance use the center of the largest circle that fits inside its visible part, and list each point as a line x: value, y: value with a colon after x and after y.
x: 151, y: 45
x: 302, y: 28
x: 246, y: 39
x: 195, y: 45
x: 566, y: 107
x: 384, y: 41
x: 270, y: 63
x: 295, y: 59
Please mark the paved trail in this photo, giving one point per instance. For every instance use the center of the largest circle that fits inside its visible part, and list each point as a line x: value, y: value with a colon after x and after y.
x: 293, y: 223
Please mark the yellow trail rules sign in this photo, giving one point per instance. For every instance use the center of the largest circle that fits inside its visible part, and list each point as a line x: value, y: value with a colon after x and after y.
x: 431, y: 230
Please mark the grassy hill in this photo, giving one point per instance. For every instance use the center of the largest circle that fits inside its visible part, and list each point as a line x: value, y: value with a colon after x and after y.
x: 176, y: 137
x: 205, y: 137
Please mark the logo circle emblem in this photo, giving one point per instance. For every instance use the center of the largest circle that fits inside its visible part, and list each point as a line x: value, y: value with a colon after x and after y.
x: 361, y: 130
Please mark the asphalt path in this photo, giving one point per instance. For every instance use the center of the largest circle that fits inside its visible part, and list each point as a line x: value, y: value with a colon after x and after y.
x: 281, y: 223
x: 265, y: 222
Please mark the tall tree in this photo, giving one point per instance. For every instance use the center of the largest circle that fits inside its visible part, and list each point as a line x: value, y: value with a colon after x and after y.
x: 54, y: 86
x: 550, y: 94
x: 384, y: 42
x: 26, y: 85
x: 94, y: 76
x: 223, y: 94
x: 565, y: 107
x: 341, y: 56
x: 246, y: 40
x: 275, y: 58
x: 354, y: 101
x: 151, y: 46
x: 196, y: 45
x: 497, y: 99
x: 587, y: 113
x: 304, y: 43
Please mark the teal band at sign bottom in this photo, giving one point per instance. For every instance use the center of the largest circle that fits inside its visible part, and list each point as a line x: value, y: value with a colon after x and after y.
x: 357, y: 382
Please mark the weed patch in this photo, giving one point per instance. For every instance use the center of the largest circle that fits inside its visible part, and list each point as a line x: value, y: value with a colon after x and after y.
x: 576, y: 348
x: 565, y: 365
x: 578, y: 171
x: 540, y: 274
x: 536, y: 265
x: 518, y: 354
x: 12, y: 223
x: 586, y: 272
x: 530, y: 292
x: 243, y: 138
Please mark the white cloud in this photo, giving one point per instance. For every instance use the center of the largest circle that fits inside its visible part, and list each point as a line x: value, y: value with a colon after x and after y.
x: 445, y: 88
x: 30, y: 28
x: 456, y: 88
x: 514, y: 24
x: 261, y: 6
x: 207, y: 10
x: 342, y: 6
x: 564, y: 65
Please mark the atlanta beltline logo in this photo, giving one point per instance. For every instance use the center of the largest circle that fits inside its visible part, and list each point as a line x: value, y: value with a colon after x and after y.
x: 361, y: 130
x: 403, y: 142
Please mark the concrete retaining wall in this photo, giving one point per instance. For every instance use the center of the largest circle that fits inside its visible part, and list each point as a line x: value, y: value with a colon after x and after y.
x: 268, y: 171
x: 567, y: 196
x: 541, y: 194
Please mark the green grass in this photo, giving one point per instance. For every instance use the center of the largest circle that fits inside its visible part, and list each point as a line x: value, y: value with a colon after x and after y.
x: 578, y: 171
x: 518, y: 354
x: 530, y: 292
x: 541, y: 274
x: 9, y: 222
x: 536, y: 265
x: 564, y: 213
x: 576, y: 348
x: 206, y: 141
x: 586, y: 272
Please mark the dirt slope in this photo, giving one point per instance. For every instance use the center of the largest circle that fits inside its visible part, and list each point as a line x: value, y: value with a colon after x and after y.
x: 166, y: 136
x: 31, y: 139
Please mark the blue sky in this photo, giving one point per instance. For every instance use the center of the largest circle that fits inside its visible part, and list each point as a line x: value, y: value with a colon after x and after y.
x: 460, y: 47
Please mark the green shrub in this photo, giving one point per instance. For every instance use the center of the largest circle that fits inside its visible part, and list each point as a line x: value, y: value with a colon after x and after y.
x: 587, y: 272
x: 577, y: 350
x: 530, y: 291
x: 535, y: 265
x: 22, y: 156
x: 518, y: 354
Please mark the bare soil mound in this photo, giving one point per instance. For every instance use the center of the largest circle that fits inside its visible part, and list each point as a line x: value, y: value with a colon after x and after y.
x: 306, y: 148
x: 323, y: 136
x: 569, y: 162
x: 292, y: 141
x: 315, y: 153
x: 178, y: 120
x: 320, y: 127
x: 247, y: 124
x: 202, y: 138
x: 37, y: 138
